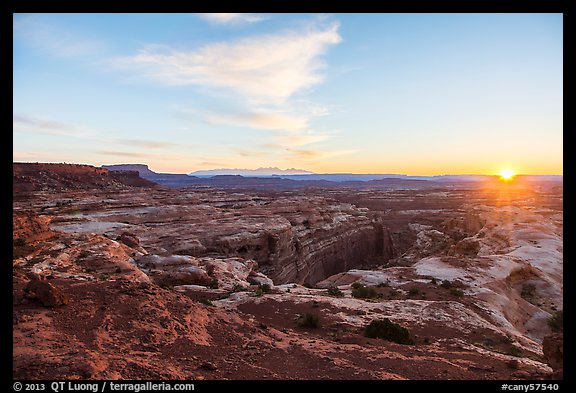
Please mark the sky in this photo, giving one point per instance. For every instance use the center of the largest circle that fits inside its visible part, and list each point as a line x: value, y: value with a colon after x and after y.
x: 416, y: 94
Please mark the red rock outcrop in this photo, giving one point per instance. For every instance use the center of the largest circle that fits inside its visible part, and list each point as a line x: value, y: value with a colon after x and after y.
x: 553, y: 348
x: 30, y: 177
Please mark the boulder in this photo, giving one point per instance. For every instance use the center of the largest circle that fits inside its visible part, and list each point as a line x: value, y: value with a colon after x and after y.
x: 129, y: 239
x: 46, y: 293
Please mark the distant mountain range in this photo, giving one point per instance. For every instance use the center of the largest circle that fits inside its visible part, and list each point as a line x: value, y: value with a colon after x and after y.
x: 260, y: 172
x: 274, y: 178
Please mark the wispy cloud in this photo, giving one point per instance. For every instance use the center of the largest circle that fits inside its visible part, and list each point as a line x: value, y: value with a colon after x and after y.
x: 53, y: 40
x: 23, y: 123
x: 146, y: 143
x: 125, y: 153
x: 211, y: 164
x: 301, y: 139
x: 249, y: 152
x: 262, y: 68
x: 265, y: 121
x: 232, y: 18
x: 309, y: 154
x: 269, y: 75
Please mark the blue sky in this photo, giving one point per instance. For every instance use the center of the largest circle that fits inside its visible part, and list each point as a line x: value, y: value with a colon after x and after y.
x: 420, y: 94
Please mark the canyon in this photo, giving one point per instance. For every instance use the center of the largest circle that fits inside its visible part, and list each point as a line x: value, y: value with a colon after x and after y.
x: 118, y: 276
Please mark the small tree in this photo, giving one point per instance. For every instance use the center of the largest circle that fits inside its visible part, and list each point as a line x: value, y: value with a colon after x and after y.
x: 309, y: 320
x: 363, y: 292
x: 456, y: 292
x: 334, y: 291
x: 556, y: 321
x: 388, y: 330
x: 19, y: 242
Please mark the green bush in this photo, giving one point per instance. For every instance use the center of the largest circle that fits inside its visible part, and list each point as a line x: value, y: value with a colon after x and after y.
x: 514, y: 351
x: 334, y: 291
x: 19, y: 242
x: 388, y: 330
x: 446, y: 284
x: 528, y: 291
x: 213, y: 284
x: 456, y: 292
x: 556, y: 321
x: 264, y: 287
x: 206, y: 302
x: 363, y: 292
x: 309, y: 320
x: 413, y: 292
x: 357, y: 285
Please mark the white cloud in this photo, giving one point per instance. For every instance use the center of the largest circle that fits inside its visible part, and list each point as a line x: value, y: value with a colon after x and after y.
x: 262, y: 68
x: 265, y: 76
x: 232, y: 18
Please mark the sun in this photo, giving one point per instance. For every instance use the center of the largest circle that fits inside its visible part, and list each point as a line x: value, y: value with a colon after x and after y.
x: 507, y: 174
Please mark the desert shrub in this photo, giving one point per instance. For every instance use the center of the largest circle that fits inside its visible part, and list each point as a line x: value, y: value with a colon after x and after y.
x: 446, y: 284
x: 213, y: 284
x: 528, y: 291
x: 238, y: 288
x: 456, y: 292
x: 514, y: 351
x: 433, y: 281
x: 334, y: 291
x: 309, y: 320
x: 556, y: 321
x: 264, y: 287
x: 258, y: 292
x: 206, y: 302
x: 363, y: 292
x: 19, y: 242
x: 413, y: 292
x: 388, y: 330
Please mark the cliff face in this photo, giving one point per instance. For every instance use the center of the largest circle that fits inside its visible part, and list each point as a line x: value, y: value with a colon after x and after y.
x: 31, y: 177
x: 308, y: 244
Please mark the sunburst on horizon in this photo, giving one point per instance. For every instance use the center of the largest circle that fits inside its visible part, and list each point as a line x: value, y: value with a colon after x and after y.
x: 507, y: 174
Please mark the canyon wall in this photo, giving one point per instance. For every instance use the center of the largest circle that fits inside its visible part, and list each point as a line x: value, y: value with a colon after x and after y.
x: 308, y: 248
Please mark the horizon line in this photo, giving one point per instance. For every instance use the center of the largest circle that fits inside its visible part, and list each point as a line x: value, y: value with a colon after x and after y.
x: 296, y: 174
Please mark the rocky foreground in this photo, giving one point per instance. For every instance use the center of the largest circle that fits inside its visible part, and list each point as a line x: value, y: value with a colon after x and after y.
x: 115, y: 278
